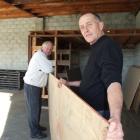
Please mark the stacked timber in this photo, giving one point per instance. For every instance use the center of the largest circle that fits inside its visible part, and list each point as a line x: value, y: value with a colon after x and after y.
x: 11, y: 79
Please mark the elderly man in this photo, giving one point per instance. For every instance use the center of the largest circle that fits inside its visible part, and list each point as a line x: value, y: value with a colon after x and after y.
x: 100, y: 86
x: 34, y: 79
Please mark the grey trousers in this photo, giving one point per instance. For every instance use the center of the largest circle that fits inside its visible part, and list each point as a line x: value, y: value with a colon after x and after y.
x: 33, y: 103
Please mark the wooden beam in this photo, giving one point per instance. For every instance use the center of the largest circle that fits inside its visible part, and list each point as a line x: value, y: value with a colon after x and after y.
x: 54, y: 2
x: 18, y: 2
x: 8, y: 9
x: 72, y: 8
x: 79, y: 3
x: 13, y: 12
x: 8, y: 16
x: 8, y: 2
x: 43, y: 8
x: 51, y: 11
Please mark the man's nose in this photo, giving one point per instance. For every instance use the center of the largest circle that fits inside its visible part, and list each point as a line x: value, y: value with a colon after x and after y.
x: 85, y: 29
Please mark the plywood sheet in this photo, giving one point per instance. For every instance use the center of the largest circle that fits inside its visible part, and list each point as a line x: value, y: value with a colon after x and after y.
x: 131, y: 85
x: 70, y: 117
x: 136, y: 102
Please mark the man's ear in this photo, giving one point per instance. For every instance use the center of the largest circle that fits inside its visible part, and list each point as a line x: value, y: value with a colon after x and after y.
x: 101, y: 24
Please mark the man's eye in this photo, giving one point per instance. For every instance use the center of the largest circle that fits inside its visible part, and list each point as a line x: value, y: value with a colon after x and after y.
x: 89, y: 24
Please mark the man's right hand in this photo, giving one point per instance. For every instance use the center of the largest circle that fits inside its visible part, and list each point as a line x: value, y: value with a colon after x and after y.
x: 62, y: 81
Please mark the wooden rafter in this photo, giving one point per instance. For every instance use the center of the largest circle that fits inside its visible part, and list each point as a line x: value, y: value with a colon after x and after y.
x: 27, y: 12
x: 42, y: 8
x: 69, y: 1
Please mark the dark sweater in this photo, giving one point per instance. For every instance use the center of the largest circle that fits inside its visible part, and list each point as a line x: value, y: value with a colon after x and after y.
x: 104, y: 66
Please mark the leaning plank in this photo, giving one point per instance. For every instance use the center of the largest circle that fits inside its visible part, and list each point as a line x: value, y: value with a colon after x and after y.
x: 70, y: 117
x: 131, y: 84
x: 136, y: 102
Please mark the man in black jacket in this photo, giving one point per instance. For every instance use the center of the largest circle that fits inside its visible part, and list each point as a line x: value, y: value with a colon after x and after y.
x: 100, y: 86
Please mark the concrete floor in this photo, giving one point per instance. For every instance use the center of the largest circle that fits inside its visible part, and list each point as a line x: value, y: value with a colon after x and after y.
x: 16, y: 127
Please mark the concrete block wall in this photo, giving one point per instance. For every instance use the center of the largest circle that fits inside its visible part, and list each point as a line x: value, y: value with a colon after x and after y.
x: 14, y: 37
x: 62, y: 22
x: 115, y: 20
x: 14, y: 41
x: 130, y: 57
x: 119, y: 20
x: 128, y: 60
x: 137, y: 55
x: 137, y: 50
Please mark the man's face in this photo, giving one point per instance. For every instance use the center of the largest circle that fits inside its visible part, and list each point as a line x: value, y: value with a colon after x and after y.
x: 48, y: 50
x: 90, y: 27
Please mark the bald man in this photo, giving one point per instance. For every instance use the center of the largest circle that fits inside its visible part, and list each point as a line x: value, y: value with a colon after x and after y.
x: 34, y: 80
x: 100, y: 86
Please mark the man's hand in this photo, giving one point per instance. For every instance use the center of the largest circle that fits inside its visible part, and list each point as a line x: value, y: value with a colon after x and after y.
x: 62, y: 81
x: 115, y: 131
x: 115, y: 100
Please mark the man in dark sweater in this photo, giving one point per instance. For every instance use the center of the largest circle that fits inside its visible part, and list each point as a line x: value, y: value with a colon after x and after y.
x: 100, y: 86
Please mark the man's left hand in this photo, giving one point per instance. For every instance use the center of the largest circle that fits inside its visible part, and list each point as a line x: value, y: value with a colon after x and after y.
x: 115, y: 131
